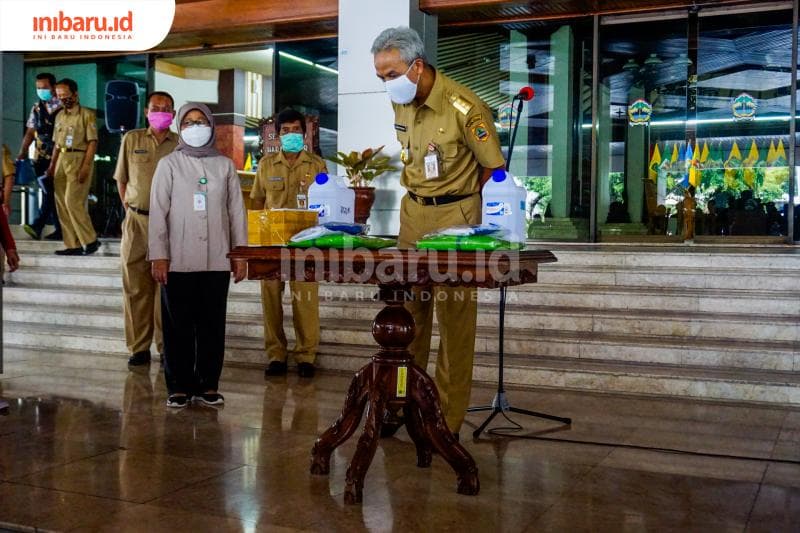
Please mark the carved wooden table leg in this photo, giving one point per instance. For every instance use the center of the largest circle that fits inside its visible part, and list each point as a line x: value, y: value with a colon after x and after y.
x: 343, y: 428
x: 392, y: 381
x: 425, y: 398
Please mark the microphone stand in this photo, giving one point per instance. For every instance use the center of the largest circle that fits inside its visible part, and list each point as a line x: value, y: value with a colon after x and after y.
x: 500, y: 402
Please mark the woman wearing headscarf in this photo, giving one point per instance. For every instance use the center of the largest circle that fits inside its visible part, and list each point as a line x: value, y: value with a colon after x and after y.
x: 196, y: 217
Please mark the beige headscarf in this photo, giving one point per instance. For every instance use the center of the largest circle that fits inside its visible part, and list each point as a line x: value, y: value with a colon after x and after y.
x: 207, y: 150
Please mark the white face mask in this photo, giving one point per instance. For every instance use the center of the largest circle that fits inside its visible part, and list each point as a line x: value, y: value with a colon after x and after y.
x: 196, y: 135
x: 402, y: 90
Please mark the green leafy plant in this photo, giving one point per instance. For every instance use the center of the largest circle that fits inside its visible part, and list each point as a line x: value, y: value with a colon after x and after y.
x: 363, y: 167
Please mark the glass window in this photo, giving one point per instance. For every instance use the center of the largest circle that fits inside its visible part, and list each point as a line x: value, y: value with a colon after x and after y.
x: 552, y: 153
x: 744, y: 86
x: 641, y: 126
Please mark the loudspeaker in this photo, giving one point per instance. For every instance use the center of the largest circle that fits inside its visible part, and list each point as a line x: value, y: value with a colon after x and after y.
x: 122, y: 106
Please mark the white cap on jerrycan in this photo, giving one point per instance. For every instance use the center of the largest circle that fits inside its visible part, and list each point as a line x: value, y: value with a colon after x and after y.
x: 332, y: 199
x: 504, y: 204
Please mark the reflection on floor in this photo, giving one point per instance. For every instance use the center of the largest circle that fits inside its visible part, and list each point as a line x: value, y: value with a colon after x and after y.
x: 95, y: 449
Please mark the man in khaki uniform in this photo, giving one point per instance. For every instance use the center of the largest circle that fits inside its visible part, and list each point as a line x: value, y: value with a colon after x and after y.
x: 449, y: 148
x: 281, y: 177
x: 140, y: 152
x: 72, y: 165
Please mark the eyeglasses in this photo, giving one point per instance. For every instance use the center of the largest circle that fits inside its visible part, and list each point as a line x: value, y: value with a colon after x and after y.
x: 187, y: 123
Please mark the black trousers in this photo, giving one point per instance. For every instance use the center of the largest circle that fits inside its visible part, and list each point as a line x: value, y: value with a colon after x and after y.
x: 47, y: 211
x: 193, y: 306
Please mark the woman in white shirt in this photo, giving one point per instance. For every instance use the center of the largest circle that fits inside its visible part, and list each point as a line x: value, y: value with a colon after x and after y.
x: 196, y: 217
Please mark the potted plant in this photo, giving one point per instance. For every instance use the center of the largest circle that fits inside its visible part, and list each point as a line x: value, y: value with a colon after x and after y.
x: 362, y: 168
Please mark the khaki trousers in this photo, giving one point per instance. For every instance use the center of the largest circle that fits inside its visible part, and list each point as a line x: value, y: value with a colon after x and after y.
x: 71, y: 196
x: 141, y: 295
x: 305, y: 315
x: 456, y: 309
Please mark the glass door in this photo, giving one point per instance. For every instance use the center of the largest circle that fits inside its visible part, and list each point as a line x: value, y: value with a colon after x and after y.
x: 743, y: 111
x: 642, y: 96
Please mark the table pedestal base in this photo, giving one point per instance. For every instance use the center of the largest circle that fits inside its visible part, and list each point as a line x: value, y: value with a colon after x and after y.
x: 391, y: 381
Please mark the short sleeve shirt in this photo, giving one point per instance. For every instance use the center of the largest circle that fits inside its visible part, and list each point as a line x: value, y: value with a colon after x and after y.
x: 52, y: 106
x: 139, y: 154
x: 278, y: 184
x: 80, y: 122
x: 454, y: 124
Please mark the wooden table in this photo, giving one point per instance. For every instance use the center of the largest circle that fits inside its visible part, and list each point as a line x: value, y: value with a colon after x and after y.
x: 392, y: 380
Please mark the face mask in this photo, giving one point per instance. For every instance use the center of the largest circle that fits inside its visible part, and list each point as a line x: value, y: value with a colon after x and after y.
x: 292, y: 142
x: 159, y: 120
x: 402, y: 90
x: 44, y: 94
x: 68, y: 102
x: 196, y: 136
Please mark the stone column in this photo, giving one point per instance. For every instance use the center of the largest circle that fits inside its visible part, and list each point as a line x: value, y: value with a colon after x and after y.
x: 521, y: 164
x: 560, y: 134
x: 635, y: 162
x: 366, y: 118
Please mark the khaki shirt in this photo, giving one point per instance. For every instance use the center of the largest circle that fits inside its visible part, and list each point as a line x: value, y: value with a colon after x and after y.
x: 80, y: 122
x: 195, y: 240
x: 458, y: 127
x: 278, y: 184
x: 8, y: 165
x: 139, y: 154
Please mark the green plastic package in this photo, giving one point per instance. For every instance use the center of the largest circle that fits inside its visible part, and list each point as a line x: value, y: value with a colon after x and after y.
x: 466, y: 242
x: 343, y: 240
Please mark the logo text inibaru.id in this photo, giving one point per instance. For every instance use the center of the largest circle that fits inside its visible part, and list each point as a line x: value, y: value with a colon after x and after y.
x: 66, y: 23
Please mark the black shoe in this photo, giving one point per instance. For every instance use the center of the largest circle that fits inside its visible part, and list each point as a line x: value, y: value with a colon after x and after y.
x: 92, y: 247
x: 32, y: 233
x: 276, y: 368
x: 55, y: 236
x: 306, y: 370
x: 210, y: 398
x: 70, y: 251
x: 392, y: 421
x: 139, y: 358
x: 177, y: 401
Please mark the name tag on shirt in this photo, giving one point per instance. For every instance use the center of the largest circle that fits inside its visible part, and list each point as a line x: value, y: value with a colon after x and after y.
x: 199, y: 201
x: 431, y: 166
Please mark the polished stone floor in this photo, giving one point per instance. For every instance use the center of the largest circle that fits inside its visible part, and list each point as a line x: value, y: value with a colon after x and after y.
x: 89, y: 446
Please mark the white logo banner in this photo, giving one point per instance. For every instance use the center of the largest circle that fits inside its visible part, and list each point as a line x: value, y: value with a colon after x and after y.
x: 84, y: 25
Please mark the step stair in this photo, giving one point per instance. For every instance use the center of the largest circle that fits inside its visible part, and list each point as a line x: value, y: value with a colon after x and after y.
x: 714, y: 322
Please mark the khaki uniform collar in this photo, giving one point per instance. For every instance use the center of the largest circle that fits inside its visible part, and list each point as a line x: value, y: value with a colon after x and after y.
x: 436, y: 96
x: 76, y: 109
x: 300, y: 158
x: 171, y: 136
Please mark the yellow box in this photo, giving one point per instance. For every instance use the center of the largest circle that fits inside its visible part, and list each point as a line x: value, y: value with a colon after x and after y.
x: 274, y: 227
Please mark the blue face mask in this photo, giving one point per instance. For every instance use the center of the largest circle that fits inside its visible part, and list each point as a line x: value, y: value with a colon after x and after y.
x: 44, y: 94
x: 292, y: 142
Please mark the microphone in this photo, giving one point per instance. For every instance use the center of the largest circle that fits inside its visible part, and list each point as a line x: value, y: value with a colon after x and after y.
x: 526, y: 94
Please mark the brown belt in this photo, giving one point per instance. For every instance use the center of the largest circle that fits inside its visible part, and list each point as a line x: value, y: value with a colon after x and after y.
x: 66, y: 150
x: 438, y: 200
x: 138, y: 211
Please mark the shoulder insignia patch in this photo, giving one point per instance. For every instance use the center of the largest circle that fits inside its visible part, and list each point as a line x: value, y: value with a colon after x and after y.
x: 480, y: 132
x: 463, y: 106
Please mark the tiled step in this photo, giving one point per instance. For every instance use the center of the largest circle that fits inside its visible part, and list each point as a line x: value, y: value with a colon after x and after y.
x: 692, y: 277
x: 778, y: 388
x: 724, y: 327
x: 344, y: 328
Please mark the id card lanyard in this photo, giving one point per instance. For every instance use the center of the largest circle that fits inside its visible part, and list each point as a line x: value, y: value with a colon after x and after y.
x: 201, y: 194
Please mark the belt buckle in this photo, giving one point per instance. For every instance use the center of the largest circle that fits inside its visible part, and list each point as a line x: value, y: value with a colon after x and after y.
x: 434, y: 201
x: 419, y: 199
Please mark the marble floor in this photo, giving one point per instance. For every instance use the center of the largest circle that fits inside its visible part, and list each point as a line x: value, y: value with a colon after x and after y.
x: 90, y: 446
